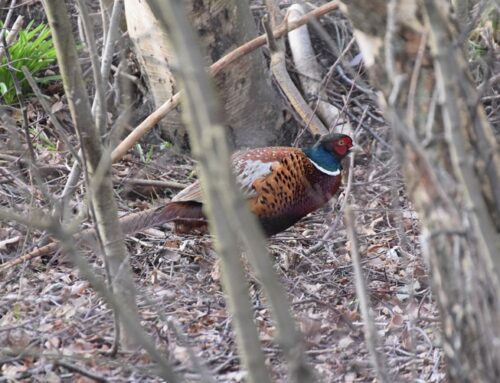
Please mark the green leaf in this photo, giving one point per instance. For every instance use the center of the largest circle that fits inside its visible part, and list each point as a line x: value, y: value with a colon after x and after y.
x: 33, y: 49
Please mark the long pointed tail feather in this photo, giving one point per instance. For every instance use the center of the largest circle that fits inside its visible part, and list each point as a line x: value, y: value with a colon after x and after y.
x: 185, y: 213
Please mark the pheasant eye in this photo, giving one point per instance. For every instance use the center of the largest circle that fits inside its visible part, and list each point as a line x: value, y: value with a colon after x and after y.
x: 340, y: 143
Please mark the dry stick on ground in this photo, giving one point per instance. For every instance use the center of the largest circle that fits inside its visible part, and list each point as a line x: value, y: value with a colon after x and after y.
x: 153, y: 183
x: 101, y: 192
x: 54, y: 357
x: 309, y: 70
x: 215, y: 68
x: 278, y: 68
x: 229, y: 217
x: 130, y: 224
x: 83, y: 371
x: 364, y: 301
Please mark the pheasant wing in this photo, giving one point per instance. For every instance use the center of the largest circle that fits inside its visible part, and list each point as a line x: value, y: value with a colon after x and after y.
x: 189, y: 193
x: 256, y: 164
x: 249, y: 166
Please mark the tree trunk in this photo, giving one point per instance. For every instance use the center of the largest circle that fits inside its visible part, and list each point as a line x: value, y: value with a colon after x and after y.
x: 252, y: 108
x: 450, y: 161
x: 99, y: 182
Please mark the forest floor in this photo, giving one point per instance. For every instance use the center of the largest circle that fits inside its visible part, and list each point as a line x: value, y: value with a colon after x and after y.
x: 55, y: 328
x: 54, y: 316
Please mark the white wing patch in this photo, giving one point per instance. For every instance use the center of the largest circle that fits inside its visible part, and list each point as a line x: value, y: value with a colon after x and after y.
x: 189, y: 193
x: 323, y: 170
x: 250, y: 170
x: 246, y: 170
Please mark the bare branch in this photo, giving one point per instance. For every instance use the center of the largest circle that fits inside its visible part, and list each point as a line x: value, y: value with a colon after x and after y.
x: 371, y: 340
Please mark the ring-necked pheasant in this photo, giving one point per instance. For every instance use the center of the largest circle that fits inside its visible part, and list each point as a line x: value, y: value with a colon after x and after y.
x: 282, y: 184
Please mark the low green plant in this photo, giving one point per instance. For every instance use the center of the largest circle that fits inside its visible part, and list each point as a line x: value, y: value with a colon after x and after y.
x: 166, y: 145
x: 34, y: 49
x: 146, y: 157
x: 43, y: 142
x: 487, y: 28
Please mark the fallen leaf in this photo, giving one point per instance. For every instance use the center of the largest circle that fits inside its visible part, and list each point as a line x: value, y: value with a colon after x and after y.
x: 11, y: 372
x: 345, y: 342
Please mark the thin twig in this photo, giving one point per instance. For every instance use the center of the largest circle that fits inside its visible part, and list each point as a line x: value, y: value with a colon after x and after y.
x: 99, y: 109
x: 333, y: 67
x: 112, y: 38
x: 80, y: 370
x: 371, y: 340
x: 221, y: 193
x: 389, y: 39
x: 10, y: 13
x: 410, y: 111
x: 153, y: 183
x: 106, y: 59
x: 46, y: 107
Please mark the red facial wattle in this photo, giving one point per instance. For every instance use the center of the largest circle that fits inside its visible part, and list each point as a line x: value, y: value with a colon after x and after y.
x: 342, y: 146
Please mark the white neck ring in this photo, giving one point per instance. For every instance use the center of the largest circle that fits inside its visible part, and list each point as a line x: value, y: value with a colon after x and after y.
x: 323, y: 170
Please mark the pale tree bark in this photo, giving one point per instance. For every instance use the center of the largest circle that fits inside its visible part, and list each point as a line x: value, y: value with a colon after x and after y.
x: 244, y: 88
x: 450, y: 160
x: 97, y: 161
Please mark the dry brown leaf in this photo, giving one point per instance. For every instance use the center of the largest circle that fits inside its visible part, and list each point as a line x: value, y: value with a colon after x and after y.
x: 13, y: 371
x: 345, y: 342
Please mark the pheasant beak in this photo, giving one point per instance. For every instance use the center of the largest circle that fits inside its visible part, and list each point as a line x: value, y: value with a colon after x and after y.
x: 356, y: 149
